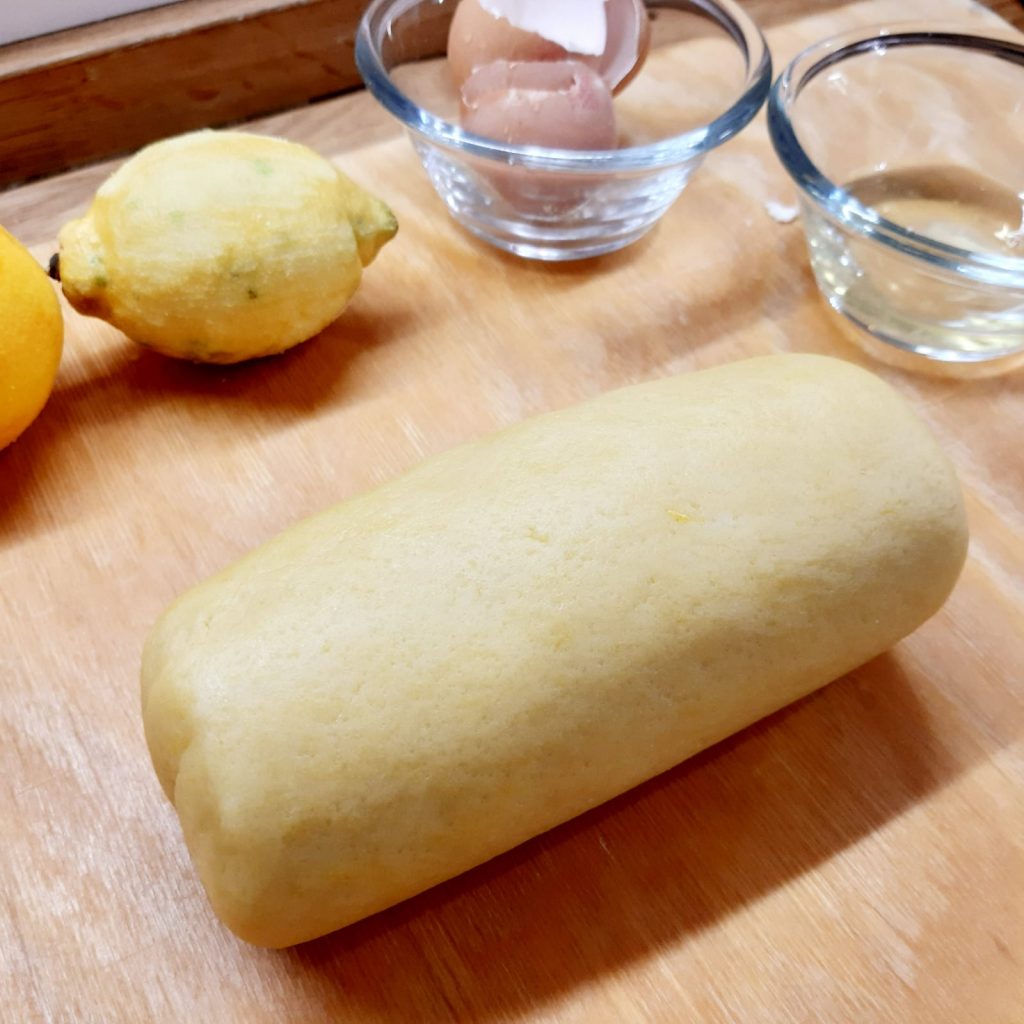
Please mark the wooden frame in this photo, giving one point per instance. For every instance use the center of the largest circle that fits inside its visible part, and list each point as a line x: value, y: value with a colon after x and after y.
x: 85, y: 94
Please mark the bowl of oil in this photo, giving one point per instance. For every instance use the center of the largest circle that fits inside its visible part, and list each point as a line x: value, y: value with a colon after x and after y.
x: 907, y: 148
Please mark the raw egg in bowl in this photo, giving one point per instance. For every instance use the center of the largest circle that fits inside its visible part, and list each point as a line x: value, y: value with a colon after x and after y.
x: 563, y: 129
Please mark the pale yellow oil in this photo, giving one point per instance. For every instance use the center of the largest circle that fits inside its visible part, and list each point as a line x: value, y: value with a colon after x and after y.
x: 920, y: 304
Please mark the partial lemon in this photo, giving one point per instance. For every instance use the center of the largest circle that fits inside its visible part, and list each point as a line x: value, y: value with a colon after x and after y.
x: 31, y: 338
x: 222, y: 246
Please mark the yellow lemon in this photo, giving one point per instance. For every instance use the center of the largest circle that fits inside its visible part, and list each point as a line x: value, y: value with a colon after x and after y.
x: 31, y: 338
x: 222, y: 246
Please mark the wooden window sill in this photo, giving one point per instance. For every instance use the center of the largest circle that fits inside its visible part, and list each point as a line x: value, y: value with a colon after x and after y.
x: 84, y: 94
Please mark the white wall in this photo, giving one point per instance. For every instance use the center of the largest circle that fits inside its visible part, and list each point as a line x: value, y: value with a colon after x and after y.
x: 21, y: 19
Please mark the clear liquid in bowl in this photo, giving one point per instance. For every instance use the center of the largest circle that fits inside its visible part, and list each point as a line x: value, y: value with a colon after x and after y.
x: 954, y: 205
x: 890, y: 294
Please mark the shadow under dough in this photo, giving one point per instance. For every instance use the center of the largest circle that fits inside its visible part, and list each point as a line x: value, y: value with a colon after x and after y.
x: 643, y: 871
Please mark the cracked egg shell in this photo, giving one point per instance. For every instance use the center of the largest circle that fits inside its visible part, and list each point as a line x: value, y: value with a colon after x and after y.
x: 558, y: 104
x: 477, y: 37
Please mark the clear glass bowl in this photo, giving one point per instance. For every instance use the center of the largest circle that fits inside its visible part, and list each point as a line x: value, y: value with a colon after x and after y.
x: 560, y: 204
x: 907, y: 146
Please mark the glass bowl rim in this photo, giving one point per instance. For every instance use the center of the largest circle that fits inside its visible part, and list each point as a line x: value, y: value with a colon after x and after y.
x: 677, y: 149
x: 840, y: 204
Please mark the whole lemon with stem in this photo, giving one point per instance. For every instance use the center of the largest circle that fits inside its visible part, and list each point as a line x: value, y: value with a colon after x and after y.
x: 31, y: 338
x: 219, y: 246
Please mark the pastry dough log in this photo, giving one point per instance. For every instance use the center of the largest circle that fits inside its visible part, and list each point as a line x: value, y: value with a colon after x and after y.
x: 418, y: 679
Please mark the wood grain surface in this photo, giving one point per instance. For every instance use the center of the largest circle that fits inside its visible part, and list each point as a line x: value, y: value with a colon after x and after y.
x: 858, y: 857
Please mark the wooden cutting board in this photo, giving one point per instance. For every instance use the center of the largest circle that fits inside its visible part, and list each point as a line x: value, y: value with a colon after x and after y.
x: 858, y: 857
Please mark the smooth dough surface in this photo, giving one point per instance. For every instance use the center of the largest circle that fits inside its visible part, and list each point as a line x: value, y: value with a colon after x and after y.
x: 414, y: 681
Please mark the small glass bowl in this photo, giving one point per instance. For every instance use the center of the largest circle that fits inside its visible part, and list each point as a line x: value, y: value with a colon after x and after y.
x: 560, y: 204
x: 907, y: 147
